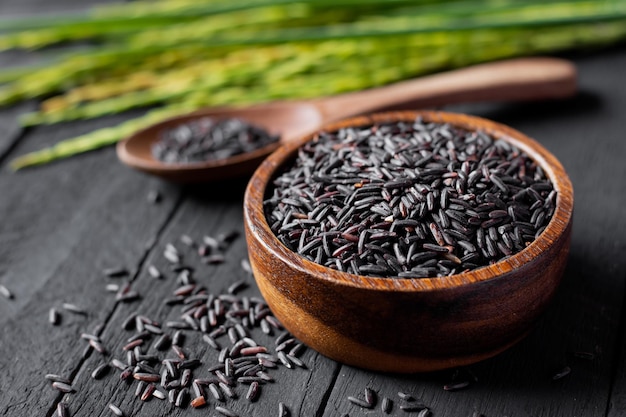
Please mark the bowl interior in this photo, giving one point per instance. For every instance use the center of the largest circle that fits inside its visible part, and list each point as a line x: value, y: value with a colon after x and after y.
x: 261, y: 183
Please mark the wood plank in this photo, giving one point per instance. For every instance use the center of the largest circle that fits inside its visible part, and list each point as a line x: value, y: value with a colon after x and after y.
x: 10, y: 129
x: 592, y: 148
x: 62, y: 224
x: 605, y: 263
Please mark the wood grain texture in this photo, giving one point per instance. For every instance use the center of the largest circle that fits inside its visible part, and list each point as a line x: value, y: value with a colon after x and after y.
x: 62, y: 224
x: 10, y: 129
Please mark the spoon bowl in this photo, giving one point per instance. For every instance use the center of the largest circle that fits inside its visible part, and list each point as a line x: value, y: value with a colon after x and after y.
x: 516, y: 79
x: 278, y: 118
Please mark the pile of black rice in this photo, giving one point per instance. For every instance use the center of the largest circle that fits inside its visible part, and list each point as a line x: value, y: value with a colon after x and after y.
x: 209, y: 139
x: 164, y: 359
x: 410, y: 199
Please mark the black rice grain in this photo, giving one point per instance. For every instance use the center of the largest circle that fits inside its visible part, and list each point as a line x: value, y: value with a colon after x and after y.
x: 129, y: 322
x: 359, y: 402
x: 185, y: 379
x: 131, y: 345
x: 187, y: 240
x: 189, y: 364
x: 57, y: 378
x: 158, y: 394
x: 171, y: 396
x: 226, y: 411
x: 116, y: 410
x: 386, y: 405
x: 72, y: 308
x: 128, y: 296
x: 151, y: 328
x: 154, y: 197
x: 197, y: 389
x: 146, y: 377
x: 154, y: 272
x: 584, y: 355
x: 182, y: 398
x: 54, y: 317
x: 283, y: 411
x: 253, y: 391
x: 424, y: 413
x: 412, y: 407
x: 62, y: 410
x: 284, y: 359
x: 227, y: 390
x: 562, y: 373
x: 236, y: 287
x: 141, y: 385
x: 4, y: 291
x: 215, y: 392
x: 456, y: 386
x: 179, y: 352
x: 406, y: 396
x: 198, y: 402
x: 126, y: 373
x: 179, y: 338
x: 63, y: 387
x: 116, y: 363
x: 100, y: 371
x: 147, y: 392
x: 115, y: 272
x: 370, y: 397
x: 245, y: 265
x: 98, y: 346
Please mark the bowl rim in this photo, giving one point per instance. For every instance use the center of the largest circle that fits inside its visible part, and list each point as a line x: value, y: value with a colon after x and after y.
x: 555, y: 229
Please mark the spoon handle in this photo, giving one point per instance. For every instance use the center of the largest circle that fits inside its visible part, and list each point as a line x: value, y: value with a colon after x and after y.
x: 515, y: 79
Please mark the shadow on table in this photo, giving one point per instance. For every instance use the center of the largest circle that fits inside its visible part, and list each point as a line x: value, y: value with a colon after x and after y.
x: 575, y: 339
x: 227, y: 191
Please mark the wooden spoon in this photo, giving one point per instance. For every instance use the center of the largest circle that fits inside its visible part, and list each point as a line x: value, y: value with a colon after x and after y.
x: 516, y: 79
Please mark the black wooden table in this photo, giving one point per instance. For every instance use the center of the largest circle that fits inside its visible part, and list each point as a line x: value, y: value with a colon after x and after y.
x: 63, y: 224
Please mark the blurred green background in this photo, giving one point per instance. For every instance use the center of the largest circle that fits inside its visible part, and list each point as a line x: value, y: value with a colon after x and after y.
x: 174, y: 56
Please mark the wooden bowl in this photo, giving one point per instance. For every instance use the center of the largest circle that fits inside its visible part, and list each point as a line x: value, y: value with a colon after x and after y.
x: 410, y: 325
